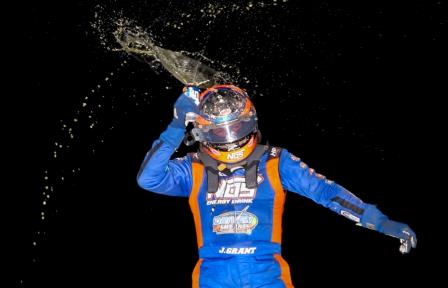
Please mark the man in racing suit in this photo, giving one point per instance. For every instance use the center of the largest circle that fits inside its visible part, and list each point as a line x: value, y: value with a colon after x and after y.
x: 236, y: 189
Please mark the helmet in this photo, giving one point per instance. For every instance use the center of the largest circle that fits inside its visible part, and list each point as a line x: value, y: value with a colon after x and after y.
x: 227, y: 124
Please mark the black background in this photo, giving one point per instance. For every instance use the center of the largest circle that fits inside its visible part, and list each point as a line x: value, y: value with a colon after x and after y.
x: 347, y: 86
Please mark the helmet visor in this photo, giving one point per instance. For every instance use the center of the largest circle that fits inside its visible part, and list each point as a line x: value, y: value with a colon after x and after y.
x: 226, y: 133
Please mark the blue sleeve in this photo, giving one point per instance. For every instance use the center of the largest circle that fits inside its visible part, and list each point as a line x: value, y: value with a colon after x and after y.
x: 161, y: 175
x: 297, y: 177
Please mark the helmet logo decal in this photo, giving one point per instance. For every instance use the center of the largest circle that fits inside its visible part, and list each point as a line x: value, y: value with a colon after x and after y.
x: 233, y: 156
x: 236, y: 155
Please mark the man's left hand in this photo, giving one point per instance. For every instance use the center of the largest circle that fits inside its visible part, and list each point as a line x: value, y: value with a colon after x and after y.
x: 407, y: 237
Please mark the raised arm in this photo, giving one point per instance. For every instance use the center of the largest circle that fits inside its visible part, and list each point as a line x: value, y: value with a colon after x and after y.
x: 160, y: 174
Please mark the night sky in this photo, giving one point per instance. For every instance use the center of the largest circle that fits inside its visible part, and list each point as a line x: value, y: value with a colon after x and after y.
x: 345, y: 86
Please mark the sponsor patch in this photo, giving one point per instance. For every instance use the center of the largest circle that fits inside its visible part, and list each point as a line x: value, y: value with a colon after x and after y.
x: 233, y: 190
x: 350, y: 216
x: 235, y: 222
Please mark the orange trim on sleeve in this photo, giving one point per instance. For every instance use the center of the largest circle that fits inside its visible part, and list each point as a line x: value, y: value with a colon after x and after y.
x: 196, y: 272
x: 197, y: 170
x: 279, y: 200
x: 285, y: 273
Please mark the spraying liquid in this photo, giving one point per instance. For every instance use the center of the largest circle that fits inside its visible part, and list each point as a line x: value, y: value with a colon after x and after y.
x: 181, y: 66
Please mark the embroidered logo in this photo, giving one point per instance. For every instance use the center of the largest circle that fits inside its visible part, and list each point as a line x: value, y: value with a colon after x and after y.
x: 235, y: 222
x: 233, y: 190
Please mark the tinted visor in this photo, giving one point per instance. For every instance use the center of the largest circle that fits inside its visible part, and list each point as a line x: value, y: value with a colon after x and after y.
x: 228, y: 147
x: 229, y: 132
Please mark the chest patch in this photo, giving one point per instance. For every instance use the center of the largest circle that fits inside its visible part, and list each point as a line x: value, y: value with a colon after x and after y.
x: 235, y: 222
x: 233, y: 190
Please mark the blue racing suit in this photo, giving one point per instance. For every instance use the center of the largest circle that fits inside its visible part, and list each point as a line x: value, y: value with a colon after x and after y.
x: 239, y: 229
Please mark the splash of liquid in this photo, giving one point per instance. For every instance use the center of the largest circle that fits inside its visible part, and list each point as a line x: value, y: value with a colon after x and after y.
x: 137, y: 43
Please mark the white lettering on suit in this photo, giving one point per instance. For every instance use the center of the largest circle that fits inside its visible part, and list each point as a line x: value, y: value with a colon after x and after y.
x: 233, y: 190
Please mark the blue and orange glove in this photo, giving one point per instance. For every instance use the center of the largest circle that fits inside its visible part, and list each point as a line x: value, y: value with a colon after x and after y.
x: 185, y: 107
x: 374, y: 219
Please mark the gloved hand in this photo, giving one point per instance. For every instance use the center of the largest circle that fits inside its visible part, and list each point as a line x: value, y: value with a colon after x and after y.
x: 186, y: 103
x: 407, y: 237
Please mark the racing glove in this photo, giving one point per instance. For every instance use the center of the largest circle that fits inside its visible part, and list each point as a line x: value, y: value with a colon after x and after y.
x: 407, y: 237
x: 373, y: 218
x: 185, y: 107
x: 186, y: 104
